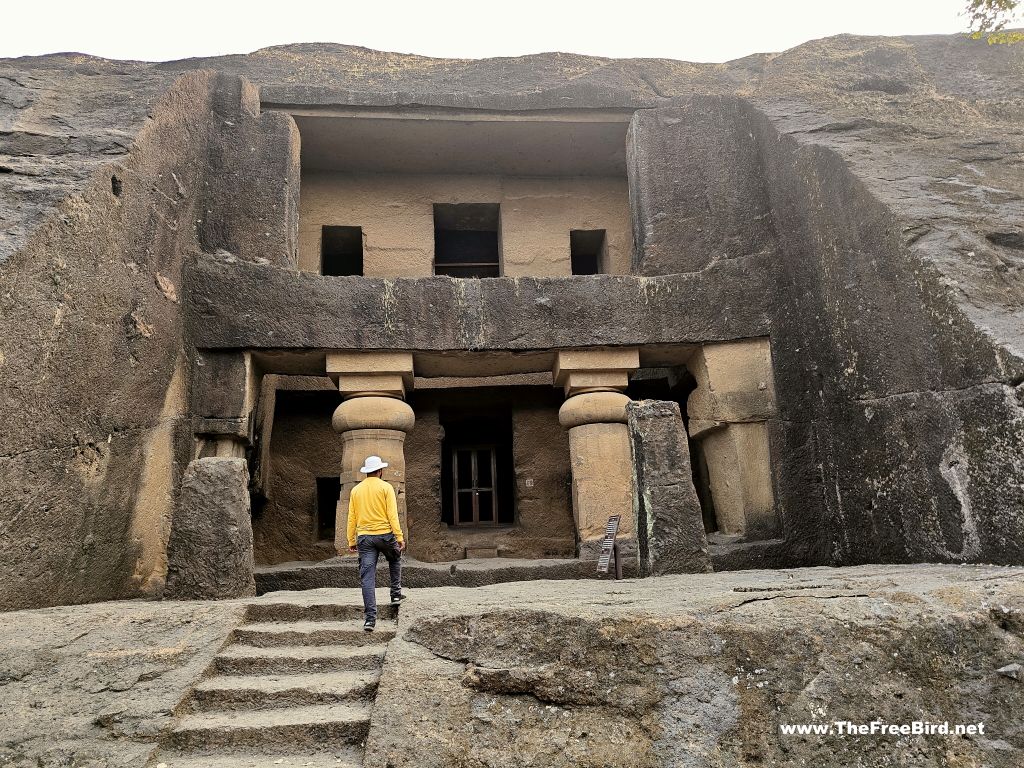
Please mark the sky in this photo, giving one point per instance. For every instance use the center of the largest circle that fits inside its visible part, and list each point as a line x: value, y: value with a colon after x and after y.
x: 692, y: 31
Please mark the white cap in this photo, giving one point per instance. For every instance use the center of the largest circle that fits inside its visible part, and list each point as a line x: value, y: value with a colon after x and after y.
x: 372, y: 464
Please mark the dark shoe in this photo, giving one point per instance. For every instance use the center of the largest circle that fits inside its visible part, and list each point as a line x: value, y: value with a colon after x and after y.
x: 396, y: 599
x: 369, y: 625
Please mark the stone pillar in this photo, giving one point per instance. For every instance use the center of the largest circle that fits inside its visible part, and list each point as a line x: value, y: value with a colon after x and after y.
x: 599, y: 451
x: 210, y: 543
x: 373, y: 419
x: 729, y: 409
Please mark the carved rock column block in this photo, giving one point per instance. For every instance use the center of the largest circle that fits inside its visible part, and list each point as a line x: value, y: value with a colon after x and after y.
x: 670, y: 532
x: 210, y: 553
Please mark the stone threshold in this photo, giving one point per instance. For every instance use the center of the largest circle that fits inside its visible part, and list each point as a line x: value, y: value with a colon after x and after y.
x: 343, y: 572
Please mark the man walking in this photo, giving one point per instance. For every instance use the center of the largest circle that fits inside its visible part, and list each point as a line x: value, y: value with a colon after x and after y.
x: 373, y: 518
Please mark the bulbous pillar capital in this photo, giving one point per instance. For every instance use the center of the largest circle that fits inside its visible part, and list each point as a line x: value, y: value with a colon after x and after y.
x: 593, y: 408
x: 374, y: 412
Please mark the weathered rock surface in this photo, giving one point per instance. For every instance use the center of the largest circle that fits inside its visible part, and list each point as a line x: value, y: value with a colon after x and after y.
x: 234, y: 304
x: 210, y: 554
x: 691, y: 670
x: 670, y: 529
x: 92, y: 358
x: 97, y: 685
x: 885, y: 377
x: 702, y: 670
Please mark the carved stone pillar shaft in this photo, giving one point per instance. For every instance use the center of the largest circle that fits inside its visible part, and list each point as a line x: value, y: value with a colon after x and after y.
x: 373, y: 421
x: 599, y: 447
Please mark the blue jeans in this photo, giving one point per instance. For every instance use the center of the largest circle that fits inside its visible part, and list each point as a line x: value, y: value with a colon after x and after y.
x: 370, y: 549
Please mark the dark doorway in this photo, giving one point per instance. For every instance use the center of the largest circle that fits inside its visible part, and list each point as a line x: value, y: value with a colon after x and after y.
x: 328, y: 491
x: 702, y: 482
x: 466, y: 241
x: 478, y: 479
x: 341, y: 251
x: 474, y: 485
x: 587, y: 251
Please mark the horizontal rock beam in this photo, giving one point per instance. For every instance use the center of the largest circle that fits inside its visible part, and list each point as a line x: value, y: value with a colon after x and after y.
x: 235, y: 305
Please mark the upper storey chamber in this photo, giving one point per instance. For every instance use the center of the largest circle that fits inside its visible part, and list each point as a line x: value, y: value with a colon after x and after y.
x: 418, y: 192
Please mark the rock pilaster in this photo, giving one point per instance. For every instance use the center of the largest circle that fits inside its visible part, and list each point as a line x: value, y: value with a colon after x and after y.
x: 729, y: 412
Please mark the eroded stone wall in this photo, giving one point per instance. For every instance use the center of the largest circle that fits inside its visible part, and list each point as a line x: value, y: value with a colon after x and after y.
x: 94, y: 364
x: 898, y: 417
x: 918, y: 411
x: 90, y: 349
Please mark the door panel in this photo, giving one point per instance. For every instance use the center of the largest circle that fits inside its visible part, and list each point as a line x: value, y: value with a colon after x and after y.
x: 475, y: 491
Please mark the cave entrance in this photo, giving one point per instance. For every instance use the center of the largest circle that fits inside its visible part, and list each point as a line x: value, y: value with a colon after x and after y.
x: 477, y: 468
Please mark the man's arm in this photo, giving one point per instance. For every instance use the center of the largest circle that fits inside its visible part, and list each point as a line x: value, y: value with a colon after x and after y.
x: 351, y: 522
x: 392, y: 503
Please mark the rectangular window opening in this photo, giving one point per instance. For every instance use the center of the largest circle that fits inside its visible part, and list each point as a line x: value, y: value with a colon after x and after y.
x: 587, y: 249
x: 328, y: 491
x: 341, y: 251
x: 466, y: 240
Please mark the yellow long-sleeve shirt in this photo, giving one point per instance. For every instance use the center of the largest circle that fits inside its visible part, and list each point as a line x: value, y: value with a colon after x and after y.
x: 373, y: 510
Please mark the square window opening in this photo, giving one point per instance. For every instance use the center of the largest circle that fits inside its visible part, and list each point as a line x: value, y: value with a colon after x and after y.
x: 588, y: 251
x: 328, y: 491
x: 467, y: 239
x: 341, y: 251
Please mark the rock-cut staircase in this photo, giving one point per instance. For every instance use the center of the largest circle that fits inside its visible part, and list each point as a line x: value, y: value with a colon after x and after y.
x: 294, y: 688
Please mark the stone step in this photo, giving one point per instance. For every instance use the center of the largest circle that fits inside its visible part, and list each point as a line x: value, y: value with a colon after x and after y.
x: 233, y: 692
x: 285, y: 611
x: 343, y: 573
x: 344, y: 758
x: 303, y: 659
x: 274, y: 633
x: 290, y: 728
